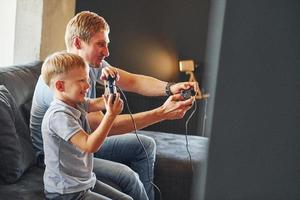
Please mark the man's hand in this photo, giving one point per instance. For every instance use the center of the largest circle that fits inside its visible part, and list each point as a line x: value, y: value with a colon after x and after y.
x: 109, y: 71
x: 178, y: 87
x: 175, y: 107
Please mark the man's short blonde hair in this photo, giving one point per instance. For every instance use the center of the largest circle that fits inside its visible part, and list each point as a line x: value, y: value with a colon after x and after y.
x: 60, y: 63
x: 84, y: 25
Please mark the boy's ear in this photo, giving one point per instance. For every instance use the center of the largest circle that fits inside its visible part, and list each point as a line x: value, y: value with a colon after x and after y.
x: 77, y: 42
x: 59, y: 85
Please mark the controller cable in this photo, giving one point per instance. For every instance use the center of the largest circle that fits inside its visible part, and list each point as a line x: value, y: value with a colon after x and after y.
x: 204, y: 118
x: 186, y: 134
x: 137, y: 136
x: 186, y: 129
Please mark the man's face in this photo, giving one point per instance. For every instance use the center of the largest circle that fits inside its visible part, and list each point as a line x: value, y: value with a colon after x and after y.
x: 96, y: 50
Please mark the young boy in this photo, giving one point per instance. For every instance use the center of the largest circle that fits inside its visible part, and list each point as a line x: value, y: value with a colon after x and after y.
x: 69, y: 143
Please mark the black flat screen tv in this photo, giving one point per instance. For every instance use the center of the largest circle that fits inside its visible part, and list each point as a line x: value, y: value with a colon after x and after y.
x: 254, y: 115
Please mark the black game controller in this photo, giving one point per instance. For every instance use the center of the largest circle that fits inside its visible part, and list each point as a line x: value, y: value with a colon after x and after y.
x: 110, y: 87
x: 186, y: 94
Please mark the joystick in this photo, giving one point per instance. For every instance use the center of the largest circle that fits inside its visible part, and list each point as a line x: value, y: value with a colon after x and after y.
x: 110, y: 87
x: 186, y: 94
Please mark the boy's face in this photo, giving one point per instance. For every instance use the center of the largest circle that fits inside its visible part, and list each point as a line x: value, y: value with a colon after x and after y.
x: 96, y: 50
x: 75, y: 86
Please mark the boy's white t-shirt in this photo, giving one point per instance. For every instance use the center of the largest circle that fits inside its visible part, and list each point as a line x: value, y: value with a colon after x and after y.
x: 68, y: 168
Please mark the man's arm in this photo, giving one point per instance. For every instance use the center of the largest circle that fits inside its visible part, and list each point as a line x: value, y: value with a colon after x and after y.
x: 144, y: 85
x: 96, y: 104
x: 173, y: 108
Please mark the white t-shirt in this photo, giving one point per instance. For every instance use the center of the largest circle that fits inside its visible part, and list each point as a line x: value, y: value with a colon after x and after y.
x: 68, y: 168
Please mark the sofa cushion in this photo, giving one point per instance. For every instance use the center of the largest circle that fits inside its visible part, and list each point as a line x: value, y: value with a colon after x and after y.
x: 25, y: 110
x: 16, y: 151
x: 174, y: 168
x: 29, y: 187
x: 20, y: 80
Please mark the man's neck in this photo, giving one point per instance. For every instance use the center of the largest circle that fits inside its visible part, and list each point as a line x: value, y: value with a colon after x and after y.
x: 96, y: 66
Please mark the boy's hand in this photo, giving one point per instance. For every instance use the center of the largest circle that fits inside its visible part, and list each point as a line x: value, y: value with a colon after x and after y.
x: 109, y: 71
x: 113, y: 104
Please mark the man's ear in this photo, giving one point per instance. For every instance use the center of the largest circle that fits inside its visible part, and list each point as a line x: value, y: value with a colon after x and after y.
x: 59, y: 85
x: 77, y: 42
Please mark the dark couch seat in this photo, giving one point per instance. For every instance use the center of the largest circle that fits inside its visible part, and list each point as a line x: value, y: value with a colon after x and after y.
x: 29, y: 186
x: 174, y: 170
x: 24, y: 180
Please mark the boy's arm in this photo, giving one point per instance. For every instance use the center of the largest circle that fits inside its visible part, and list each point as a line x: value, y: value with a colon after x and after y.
x: 91, y: 143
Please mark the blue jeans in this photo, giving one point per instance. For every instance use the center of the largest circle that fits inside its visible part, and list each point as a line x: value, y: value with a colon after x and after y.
x: 122, y: 162
x: 101, y: 191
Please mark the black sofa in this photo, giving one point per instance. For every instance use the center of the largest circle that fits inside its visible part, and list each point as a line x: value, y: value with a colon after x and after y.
x: 22, y: 179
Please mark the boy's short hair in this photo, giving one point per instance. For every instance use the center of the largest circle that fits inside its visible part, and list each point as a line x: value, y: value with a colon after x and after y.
x: 84, y: 25
x: 60, y: 63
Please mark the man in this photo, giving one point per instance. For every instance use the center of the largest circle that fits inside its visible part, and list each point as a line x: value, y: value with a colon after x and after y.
x: 87, y: 35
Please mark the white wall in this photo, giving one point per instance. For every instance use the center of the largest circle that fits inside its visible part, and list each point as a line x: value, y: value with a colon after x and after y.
x: 28, y: 31
x: 7, y: 31
x: 32, y: 29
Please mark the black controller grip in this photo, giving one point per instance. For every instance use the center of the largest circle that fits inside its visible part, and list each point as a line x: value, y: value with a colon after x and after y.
x: 186, y: 94
x: 111, y: 86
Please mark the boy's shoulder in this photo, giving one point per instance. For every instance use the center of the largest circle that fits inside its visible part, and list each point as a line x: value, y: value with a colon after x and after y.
x: 58, y: 106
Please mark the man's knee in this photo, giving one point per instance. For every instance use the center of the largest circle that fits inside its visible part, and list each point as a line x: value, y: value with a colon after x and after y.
x: 130, y: 174
x: 150, y: 145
